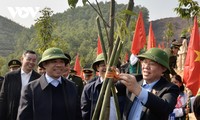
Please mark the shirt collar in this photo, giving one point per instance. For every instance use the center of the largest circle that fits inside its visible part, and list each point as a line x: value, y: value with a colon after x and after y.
x: 67, y: 76
x: 22, y: 72
x: 50, y: 79
x: 101, y: 79
x: 150, y: 84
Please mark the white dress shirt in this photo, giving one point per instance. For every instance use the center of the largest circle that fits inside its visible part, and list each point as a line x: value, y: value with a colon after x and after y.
x: 25, y: 77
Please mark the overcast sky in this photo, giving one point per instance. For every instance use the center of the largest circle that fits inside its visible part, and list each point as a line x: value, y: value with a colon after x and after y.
x: 11, y: 8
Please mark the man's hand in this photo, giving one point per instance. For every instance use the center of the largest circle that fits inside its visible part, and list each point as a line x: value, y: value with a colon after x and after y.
x: 131, y: 83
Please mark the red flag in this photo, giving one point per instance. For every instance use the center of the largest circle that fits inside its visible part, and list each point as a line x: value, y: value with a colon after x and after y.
x: 77, y: 66
x: 159, y: 46
x: 126, y: 57
x: 163, y: 45
x: 191, y: 74
x: 139, y: 38
x: 151, y: 41
x: 99, y: 48
x: 82, y: 76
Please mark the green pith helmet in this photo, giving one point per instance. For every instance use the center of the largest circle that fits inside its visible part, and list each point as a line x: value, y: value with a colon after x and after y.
x: 183, y: 35
x: 157, y: 55
x: 98, y: 59
x: 176, y: 44
x: 52, y: 53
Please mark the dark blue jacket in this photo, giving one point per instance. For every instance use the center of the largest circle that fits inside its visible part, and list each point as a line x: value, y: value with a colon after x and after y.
x: 160, y: 103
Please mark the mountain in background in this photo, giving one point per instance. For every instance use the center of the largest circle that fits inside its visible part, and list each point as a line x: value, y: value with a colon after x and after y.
x: 179, y: 24
x: 77, y: 26
x: 9, y: 31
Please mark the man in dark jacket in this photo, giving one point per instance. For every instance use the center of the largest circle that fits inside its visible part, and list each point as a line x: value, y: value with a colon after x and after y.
x: 14, y: 83
x: 70, y: 74
x: 51, y: 97
x: 150, y: 96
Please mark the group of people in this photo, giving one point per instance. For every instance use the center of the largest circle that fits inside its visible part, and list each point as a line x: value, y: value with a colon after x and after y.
x: 57, y: 95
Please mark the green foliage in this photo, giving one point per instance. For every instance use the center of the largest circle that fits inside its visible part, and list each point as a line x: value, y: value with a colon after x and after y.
x: 186, y: 31
x: 72, y: 3
x: 187, y: 8
x: 128, y: 32
x: 122, y: 30
x: 44, y: 27
x: 74, y: 31
x: 78, y: 28
x: 2, y: 65
x: 168, y: 33
x: 84, y: 2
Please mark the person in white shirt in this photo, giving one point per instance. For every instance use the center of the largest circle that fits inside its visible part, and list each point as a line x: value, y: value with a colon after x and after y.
x: 14, y: 83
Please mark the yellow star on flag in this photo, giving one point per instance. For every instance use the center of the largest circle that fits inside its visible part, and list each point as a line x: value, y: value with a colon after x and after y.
x: 198, y: 55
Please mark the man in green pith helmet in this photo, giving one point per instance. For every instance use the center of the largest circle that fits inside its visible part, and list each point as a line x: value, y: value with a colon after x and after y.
x: 92, y: 90
x: 51, y: 97
x: 150, y: 96
x: 172, y: 53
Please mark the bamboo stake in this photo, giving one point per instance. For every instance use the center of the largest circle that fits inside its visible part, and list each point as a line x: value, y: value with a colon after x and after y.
x: 100, y: 99
x: 103, y: 88
x: 113, y: 90
x: 106, y: 101
x: 101, y: 39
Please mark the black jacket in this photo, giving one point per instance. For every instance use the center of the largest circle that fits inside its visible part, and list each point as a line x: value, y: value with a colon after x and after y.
x: 10, y: 94
x: 160, y: 103
x: 36, y: 101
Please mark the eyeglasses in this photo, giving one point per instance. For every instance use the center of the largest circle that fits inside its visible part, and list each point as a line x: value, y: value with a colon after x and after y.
x: 102, y: 65
x: 148, y: 62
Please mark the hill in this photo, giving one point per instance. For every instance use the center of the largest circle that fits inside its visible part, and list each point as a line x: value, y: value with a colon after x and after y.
x: 78, y: 28
x: 9, y: 31
x: 179, y: 24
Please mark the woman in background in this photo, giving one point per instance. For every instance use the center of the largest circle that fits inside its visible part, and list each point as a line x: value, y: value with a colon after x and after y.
x: 181, y: 108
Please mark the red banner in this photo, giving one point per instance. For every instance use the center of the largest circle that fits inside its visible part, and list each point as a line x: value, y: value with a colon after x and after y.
x: 191, y: 74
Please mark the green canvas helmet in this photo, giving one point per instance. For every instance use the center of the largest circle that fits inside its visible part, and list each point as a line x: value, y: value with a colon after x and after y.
x: 176, y: 44
x: 52, y: 53
x: 157, y: 55
x: 98, y: 59
x: 183, y: 35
